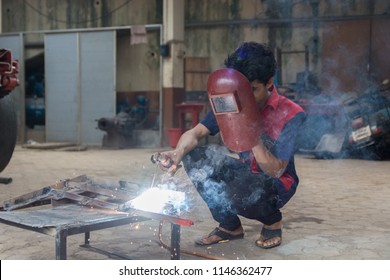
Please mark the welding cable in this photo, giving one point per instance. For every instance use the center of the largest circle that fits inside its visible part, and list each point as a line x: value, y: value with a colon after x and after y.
x: 187, y: 252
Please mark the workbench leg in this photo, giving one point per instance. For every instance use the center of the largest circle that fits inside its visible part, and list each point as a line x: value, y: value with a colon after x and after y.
x: 61, y: 244
x: 175, y: 242
x: 87, y: 238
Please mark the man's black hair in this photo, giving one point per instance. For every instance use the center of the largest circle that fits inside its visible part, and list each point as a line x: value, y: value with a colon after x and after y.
x: 256, y: 61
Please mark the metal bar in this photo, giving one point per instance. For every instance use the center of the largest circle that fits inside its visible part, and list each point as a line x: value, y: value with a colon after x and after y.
x: 88, y: 201
x: 105, y: 252
x: 257, y: 21
x: 87, y: 237
x: 175, y: 242
x: 46, y: 230
x: 41, y: 196
x: 114, y: 194
x: 78, y: 90
x: 161, y: 89
x: 104, y: 225
x: 149, y: 27
x: 61, y: 244
x: 22, y: 94
x: 162, y: 217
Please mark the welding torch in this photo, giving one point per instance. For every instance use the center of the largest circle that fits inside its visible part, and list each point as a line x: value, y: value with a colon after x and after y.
x: 165, y: 162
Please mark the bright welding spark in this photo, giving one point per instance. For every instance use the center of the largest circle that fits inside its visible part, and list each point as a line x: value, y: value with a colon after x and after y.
x: 157, y: 200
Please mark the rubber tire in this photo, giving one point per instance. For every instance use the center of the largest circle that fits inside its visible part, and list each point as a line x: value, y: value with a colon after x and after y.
x: 8, y: 130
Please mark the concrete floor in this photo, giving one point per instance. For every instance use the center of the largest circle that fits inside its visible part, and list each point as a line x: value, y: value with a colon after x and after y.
x: 340, y: 211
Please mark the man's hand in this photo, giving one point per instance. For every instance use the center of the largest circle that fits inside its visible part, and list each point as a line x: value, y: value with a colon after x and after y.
x: 167, y: 161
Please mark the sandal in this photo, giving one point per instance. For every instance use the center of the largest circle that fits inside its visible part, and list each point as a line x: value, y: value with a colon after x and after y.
x: 225, y: 237
x: 267, y: 234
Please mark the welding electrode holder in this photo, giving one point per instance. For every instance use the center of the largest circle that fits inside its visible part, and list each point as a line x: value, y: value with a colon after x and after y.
x: 162, y: 160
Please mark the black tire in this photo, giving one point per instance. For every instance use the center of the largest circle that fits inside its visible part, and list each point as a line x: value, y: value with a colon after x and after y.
x: 8, y: 130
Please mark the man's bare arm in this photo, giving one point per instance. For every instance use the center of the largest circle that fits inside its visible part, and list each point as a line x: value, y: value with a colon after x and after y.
x: 187, y: 142
x: 271, y: 165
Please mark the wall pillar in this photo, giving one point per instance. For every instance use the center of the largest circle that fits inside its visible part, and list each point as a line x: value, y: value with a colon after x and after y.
x: 173, y: 64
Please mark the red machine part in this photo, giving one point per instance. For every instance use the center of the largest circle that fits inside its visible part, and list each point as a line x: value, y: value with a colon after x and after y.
x: 8, y: 72
x: 8, y: 117
x: 234, y: 105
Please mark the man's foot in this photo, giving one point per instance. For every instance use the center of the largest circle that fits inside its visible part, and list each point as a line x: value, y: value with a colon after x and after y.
x: 271, y: 236
x: 220, y: 235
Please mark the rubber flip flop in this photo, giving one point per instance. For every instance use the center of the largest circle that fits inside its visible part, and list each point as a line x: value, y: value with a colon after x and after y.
x: 267, y: 234
x: 222, y: 234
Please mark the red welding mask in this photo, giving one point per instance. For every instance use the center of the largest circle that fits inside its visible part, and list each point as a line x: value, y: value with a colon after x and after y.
x: 234, y: 105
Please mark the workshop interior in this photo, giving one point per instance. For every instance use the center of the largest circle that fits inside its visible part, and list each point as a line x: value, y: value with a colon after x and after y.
x: 132, y: 75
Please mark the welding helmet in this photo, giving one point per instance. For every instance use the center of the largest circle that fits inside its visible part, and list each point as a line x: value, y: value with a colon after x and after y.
x: 234, y: 106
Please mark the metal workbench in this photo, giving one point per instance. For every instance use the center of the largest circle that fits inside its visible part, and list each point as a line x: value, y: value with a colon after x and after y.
x: 64, y: 218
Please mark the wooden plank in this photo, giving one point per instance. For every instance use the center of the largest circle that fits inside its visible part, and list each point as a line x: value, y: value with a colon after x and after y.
x: 197, y: 64
x: 196, y: 81
x: 196, y: 73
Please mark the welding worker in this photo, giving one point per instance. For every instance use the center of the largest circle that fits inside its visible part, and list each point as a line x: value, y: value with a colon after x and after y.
x: 261, y: 178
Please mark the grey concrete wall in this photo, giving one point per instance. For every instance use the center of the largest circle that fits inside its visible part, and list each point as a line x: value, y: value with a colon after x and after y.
x: 213, y: 28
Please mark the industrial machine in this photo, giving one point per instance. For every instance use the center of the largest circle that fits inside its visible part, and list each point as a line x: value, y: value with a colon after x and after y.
x: 336, y: 128
x: 365, y: 132
x: 8, y: 118
x: 119, y: 129
x: 369, y: 119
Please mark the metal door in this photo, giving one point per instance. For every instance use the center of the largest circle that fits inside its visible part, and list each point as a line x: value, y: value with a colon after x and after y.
x: 97, y: 69
x: 80, y: 84
x: 62, y: 90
